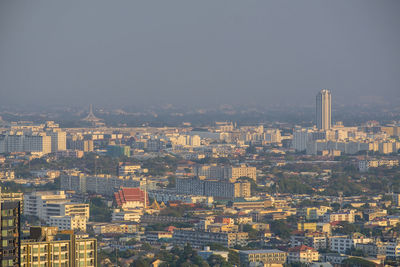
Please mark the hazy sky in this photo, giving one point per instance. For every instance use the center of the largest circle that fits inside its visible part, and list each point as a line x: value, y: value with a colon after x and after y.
x: 201, y: 52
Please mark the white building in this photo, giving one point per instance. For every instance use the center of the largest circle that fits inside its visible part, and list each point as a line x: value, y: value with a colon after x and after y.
x: 301, y: 138
x: 343, y: 243
x: 323, y: 111
x: 68, y: 222
x: 46, y: 204
x: 132, y: 215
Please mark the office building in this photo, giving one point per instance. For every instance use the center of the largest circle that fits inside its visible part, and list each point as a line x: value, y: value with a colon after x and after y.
x: 46, y: 204
x: 323, y: 110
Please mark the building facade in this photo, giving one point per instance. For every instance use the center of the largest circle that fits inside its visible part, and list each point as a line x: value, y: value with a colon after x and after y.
x: 323, y: 111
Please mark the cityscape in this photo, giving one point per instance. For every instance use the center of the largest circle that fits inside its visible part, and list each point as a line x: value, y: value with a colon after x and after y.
x: 134, y: 135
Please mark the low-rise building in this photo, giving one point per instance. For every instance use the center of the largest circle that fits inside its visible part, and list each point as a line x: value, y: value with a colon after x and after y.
x: 68, y: 222
x: 202, y: 238
x: 302, y: 254
x: 340, y: 216
x: 268, y: 257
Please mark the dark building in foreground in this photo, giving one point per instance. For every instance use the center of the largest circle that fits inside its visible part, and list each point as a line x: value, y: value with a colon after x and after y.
x: 10, y: 234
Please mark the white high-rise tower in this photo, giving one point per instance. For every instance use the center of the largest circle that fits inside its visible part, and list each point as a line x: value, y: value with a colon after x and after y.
x: 324, y: 114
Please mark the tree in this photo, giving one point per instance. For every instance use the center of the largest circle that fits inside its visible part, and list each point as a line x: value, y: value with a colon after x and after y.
x: 280, y: 228
x: 99, y: 212
x: 352, y: 261
x: 146, y: 247
x: 217, y: 261
x: 250, y: 230
x: 171, y: 182
x: 233, y: 258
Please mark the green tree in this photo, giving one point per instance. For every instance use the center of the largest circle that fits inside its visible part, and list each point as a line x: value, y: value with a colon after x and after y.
x: 99, y: 212
x: 358, y: 262
x: 217, y: 261
x: 280, y: 228
x: 233, y: 258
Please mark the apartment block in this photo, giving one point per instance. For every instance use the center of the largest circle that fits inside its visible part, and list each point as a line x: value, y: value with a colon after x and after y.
x: 10, y: 234
x: 202, y: 238
x: 213, y: 188
x: 61, y: 249
x: 268, y: 257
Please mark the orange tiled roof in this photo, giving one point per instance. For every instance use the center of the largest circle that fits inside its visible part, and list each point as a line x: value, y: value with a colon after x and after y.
x: 130, y: 194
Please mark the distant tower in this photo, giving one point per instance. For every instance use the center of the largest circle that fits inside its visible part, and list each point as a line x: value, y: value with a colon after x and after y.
x: 91, y: 117
x: 323, y: 111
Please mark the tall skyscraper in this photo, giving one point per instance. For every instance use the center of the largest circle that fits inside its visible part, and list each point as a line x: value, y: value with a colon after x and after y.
x: 324, y: 100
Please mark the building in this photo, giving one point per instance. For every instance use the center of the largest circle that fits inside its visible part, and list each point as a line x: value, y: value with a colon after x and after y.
x: 199, y: 239
x: 10, y: 234
x: 125, y: 169
x: 323, y: 110
x: 213, y: 188
x: 364, y: 165
x: 170, y: 195
x: 340, y: 216
x: 236, y: 172
x: 131, y: 198
x: 58, y: 140
x: 13, y: 197
x: 100, y: 184
x: 302, y: 254
x: 301, y: 138
x: 207, y: 252
x: 49, y: 247
x: 342, y: 244
x: 268, y: 257
x: 36, y: 142
x: 68, y: 222
x: 114, y: 228
x: 221, y: 172
x: 46, y: 204
x: 132, y: 215
x: 78, y: 143
x: 157, y: 236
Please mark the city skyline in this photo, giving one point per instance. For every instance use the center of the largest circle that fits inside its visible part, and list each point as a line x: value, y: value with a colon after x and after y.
x: 199, y: 133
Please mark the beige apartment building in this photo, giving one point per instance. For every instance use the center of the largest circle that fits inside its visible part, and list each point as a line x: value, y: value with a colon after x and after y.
x: 268, y: 257
x: 50, y: 247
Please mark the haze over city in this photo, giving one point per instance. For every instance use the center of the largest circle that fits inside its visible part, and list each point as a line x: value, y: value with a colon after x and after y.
x: 203, y: 53
x: 200, y: 133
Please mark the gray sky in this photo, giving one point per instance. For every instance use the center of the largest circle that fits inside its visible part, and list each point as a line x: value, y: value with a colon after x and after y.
x: 200, y: 52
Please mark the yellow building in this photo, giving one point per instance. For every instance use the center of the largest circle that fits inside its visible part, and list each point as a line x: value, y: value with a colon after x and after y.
x: 49, y: 247
x: 243, y: 171
x: 307, y: 226
x: 269, y: 257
